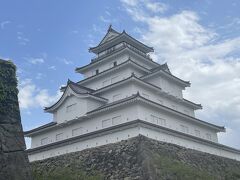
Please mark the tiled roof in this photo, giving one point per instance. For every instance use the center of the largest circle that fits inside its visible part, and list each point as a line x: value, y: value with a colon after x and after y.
x: 78, y: 89
x: 51, y: 124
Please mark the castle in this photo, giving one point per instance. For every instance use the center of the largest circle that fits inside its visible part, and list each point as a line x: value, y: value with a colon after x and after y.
x: 124, y: 94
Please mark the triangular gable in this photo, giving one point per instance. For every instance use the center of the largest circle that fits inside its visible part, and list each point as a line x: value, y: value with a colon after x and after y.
x: 111, y: 33
x: 73, y: 89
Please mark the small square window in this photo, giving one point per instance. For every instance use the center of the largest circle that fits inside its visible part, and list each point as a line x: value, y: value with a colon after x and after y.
x: 44, y: 141
x: 59, y: 136
x: 97, y: 71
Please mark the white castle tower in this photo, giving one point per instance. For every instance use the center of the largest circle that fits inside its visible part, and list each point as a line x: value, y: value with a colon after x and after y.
x: 124, y: 94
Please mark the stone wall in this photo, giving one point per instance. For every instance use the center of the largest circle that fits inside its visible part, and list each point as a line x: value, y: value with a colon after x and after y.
x: 13, y: 160
x: 137, y: 158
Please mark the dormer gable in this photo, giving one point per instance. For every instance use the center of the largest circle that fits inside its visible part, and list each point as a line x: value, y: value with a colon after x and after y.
x: 74, y: 90
x: 111, y: 33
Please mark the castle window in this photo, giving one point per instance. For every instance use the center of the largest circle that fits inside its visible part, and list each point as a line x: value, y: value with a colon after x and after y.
x: 158, y: 120
x: 44, y: 141
x: 71, y: 107
x: 197, y: 133
x: 116, y: 97
x: 174, y: 107
x: 114, y: 79
x: 59, y: 136
x: 116, y: 120
x: 97, y: 71
x: 208, y: 136
x: 162, y: 122
x: 106, y: 123
x: 114, y: 63
x: 184, y: 129
x: 77, y: 131
x: 154, y: 119
x: 160, y: 101
x: 106, y: 82
x: 186, y: 112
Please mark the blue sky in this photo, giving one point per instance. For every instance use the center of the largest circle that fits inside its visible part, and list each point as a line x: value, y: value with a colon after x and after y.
x: 200, y: 40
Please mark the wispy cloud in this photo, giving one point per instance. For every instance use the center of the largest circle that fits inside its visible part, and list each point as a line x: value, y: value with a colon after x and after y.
x: 22, y: 39
x: 52, y: 67
x: 197, y: 53
x: 35, y: 60
x: 39, y: 76
x: 66, y: 61
x: 4, y: 24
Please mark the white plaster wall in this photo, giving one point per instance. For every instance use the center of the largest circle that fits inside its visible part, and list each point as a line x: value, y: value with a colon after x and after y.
x: 129, y: 133
x: 167, y: 85
x: 174, y: 122
x: 161, y: 99
x: 93, y: 104
x: 127, y: 113
x: 119, y: 58
x: 130, y: 88
x: 80, y: 108
x: 120, y: 74
x: 106, y: 64
x: 78, y: 146
x: 123, y: 90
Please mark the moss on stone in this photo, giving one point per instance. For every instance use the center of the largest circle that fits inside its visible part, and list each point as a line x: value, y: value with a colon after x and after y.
x: 8, y: 90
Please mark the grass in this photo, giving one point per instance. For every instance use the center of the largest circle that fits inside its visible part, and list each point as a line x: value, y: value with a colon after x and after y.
x: 177, y: 170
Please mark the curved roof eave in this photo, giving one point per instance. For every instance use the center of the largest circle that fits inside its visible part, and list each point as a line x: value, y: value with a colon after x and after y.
x: 97, y: 49
x: 73, y: 91
x: 86, y: 67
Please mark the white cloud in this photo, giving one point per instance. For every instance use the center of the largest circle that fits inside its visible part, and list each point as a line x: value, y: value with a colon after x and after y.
x: 30, y: 96
x: 4, y: 23
x: 67, y: 62
x: 196, y: 53
x: 39, y: 76
x: 52, y: 67
x: 156, y: 7
x: 35, y: 60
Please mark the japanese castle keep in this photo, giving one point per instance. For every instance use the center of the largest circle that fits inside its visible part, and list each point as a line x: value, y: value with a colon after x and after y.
x: 124, y: 94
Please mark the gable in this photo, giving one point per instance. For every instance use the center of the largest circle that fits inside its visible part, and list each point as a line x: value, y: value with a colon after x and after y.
x: 71, y: 108
x: 110, y: 35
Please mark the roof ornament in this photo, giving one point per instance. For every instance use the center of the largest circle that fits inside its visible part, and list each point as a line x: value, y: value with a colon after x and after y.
x: 110, y: 27
x: 69, y: 81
